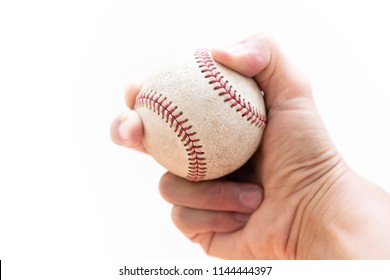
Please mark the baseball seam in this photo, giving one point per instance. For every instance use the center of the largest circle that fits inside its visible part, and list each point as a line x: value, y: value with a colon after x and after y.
x: 221, y: 85
x: 155, y: 102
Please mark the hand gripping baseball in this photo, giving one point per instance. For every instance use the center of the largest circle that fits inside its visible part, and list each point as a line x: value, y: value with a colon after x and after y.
x: 295, y: 198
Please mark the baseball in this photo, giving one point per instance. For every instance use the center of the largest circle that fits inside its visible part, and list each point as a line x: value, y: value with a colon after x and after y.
x: 201, y: 120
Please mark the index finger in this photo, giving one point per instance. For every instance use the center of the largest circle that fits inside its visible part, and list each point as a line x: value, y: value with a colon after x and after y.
x: 131, y: 93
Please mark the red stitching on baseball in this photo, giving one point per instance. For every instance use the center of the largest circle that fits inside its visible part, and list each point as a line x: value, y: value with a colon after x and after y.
x: 207, y: 66
x: 150, y: 99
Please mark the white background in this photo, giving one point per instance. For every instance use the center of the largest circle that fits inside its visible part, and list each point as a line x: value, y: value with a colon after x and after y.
x: 66, y: 191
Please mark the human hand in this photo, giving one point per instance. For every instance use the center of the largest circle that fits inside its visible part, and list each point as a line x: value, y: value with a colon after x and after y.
x: 295, y: 163
x: 276, y: 205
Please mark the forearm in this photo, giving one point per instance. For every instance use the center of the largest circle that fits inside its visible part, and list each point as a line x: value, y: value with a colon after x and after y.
x: 349, y: 221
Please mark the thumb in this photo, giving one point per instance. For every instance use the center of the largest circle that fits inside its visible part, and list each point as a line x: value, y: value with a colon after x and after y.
x: 261, y: 58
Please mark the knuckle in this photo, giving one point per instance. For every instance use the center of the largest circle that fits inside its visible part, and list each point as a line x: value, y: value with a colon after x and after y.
x: 224, y: 196
x: 266, y: 37
x: 263, y: 39
x: 179, y: 217
x: 218, y: 197
x: 165, y: 187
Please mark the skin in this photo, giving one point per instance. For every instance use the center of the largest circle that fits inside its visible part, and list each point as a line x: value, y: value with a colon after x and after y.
x: 296, y: 198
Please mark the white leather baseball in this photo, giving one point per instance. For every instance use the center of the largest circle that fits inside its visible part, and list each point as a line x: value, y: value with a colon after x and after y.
x: 201, y: 120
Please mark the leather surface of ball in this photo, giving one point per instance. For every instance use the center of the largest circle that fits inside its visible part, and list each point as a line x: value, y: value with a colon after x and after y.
x: 201, y: 120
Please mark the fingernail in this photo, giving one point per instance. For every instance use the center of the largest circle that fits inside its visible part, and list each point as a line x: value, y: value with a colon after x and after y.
x: 242, y: 218
x: 124, y: 129
x: 250, y: 197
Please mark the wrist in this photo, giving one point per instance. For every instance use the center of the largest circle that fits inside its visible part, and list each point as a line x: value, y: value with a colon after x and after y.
x: 340, y: 221
x: 311, y: 231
